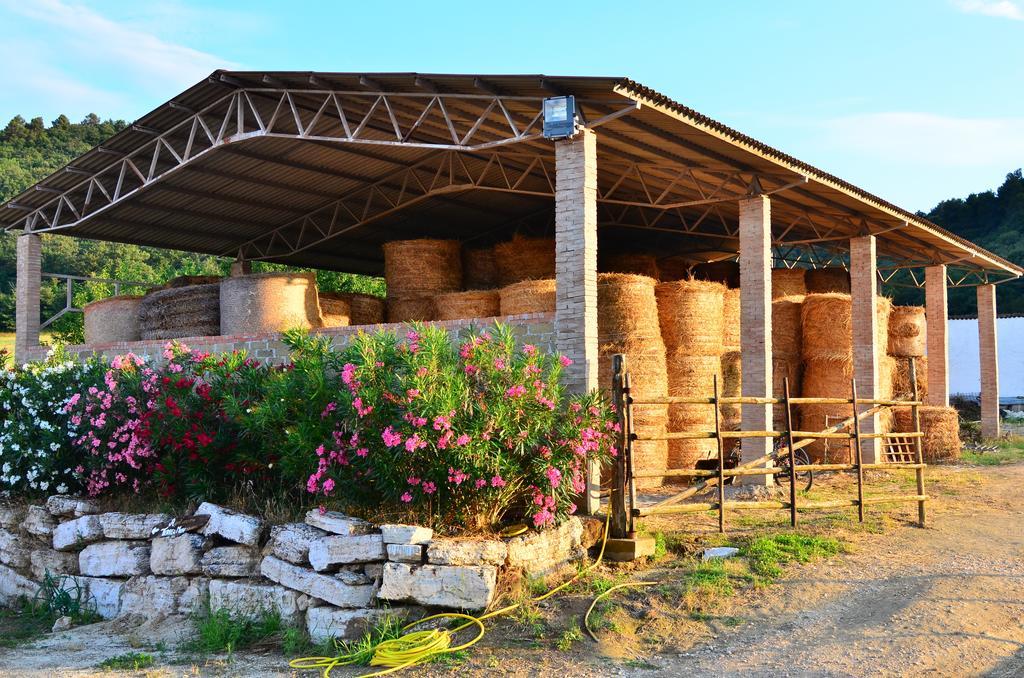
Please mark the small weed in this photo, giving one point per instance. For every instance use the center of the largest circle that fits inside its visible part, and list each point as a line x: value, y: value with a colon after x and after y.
x: 131, y: 661
x: 1008, y: 453
x: 22, y: 625
x: 570, y: 636
x: 63, y: 597
x: 451, y: 658
x: 531, y: 619
x: 767, y: 554
x: 660, y: 546
x: 493, y: 662
x: 640, y: 664
x: 220, y: 631
x: 711, y: 577
x: 361, y: 651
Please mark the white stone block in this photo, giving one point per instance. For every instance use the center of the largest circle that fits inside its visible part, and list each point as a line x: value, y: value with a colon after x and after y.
x: 338, y: 550
x: 230, y: 561
x: 56, y: 563
x: 114, y: 559
x: 405, y: 553
x: 177, y: 555
x: 467, y: 552
x: 374, y: 571
x: 337, y: 523
x: 103, y: 594
x: 13, y: 551
x: 39, y: 522
x: 77, y: 533
x: 291, y: 541
x: 14, y: 586
x: 406, y: 534
x: 64, y: 506
x: 327, y: 622
x: 131, y: 525
x: 541, y: 553
x: 231, y: 525
x: 459, y: 587
x: 12, y: 517
x: 332, y: 589
x: 154, y: 597
x: 250, y: 599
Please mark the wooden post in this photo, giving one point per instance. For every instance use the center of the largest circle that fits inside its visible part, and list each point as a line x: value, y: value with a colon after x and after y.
x: 860, y: 454
x: 792, y: 453
x: 630, y: 437
x: 618, y: 498
x: 721, y: 461
x: 916, y: 416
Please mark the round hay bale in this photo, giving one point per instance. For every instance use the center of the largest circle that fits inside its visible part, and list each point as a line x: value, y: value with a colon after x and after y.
x: 675, y: 268
x: 826, y: 323
x: 263, y: 303
x: 411, y: 309
x: 335, y: 309
x: 725, y: 272
x: 732, y: 384
x: 826, y: 280
x: 788, y: 282
x: 472, y: 304
x: 731, y: 320
x: 785, y: 367
x: 529, y: 296
x: 691, y: 376
x: 690, y: 313
x: 941, y: 429
x: 189, y: 280
x: 826, y: 378
x: 525, y: 259
x: 901, y: 378
x: 624, y: 262
x: 787, y: 328
x: 645, y: 362
x: 422, y: 267
x: 112, y: 319
x: 626, y: 308
x: 907, y: 331
x: 479, y: 269
x: 176, y: 312
x: 650, y: 455
x: 365, y: 309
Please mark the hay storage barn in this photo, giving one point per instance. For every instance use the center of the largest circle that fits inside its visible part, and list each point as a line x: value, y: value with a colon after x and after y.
x: 324, y: 169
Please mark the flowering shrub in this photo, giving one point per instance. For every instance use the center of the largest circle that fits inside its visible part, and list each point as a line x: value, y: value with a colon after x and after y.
x: 458, y: 435
x: 35, y: 454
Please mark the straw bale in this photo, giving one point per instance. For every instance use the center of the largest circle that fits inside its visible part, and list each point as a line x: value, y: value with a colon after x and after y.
x: 335, y: 310
x: 690, y: 312
x: 907, y: 331
x: 901, y: 378
x: 365, y: 309
x: 479, y: 268
x: 261, y: 303
x: 825, y: 280
x: 787, y: 327
x: 645, y: 362
x: 675, y: 268
x: 684, y: 454
x: 627, y: 262
x: 650, y: 455
x: 941, y: 428
x: 112, y: 319
x: 731, y: 320
x: 528, y: 296
x: 887, y: 366
x: 189, y: 280
x: 788, y: 282
x: 410, y: 309
x: 826, y: 321
x: 525, y: 258
x: 422, y: 267
x: 732, y: 383
x: 626, y: 308
x: 471, y: 304
x: 691, y: 376
x: 725, y: 272
x: 785, y: 367
x: 172, y: 313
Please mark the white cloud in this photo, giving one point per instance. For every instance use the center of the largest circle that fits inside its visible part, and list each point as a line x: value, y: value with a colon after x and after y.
x: 1004, y: 9
x: 925, y: 139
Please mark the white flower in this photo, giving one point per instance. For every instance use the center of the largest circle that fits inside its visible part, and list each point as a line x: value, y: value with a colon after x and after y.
x: 62, y: 488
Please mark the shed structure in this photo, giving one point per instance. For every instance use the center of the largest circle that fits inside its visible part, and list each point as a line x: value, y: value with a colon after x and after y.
x: 321, y: 169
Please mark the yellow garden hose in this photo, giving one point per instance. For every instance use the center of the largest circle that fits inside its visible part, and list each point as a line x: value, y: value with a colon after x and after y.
x: 632, y: 584
x: 417, y: 647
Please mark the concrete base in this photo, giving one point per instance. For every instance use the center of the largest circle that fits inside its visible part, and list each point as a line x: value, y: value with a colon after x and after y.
x: 626, y: 550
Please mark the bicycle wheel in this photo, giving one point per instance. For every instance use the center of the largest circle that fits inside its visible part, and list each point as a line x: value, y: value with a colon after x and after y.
x: 803, y: 459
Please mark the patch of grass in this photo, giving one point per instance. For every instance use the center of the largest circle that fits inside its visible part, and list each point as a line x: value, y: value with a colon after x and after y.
x: 1009, y: 452
x: 640, y: 664
x: 530, y: 618
x: 768, y: 554
x: 130, y: 661
x: 63, y: 597
x: 220, y: 631
x: 660, y: 546
x: 22, y: 624
x: 711, y: 577
x: 451, y: 658
x: 570, y: 636
x: 361, y: 651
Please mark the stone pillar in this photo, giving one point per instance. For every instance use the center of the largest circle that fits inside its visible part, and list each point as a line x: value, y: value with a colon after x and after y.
x: 864, y: 299
x: 988, y: 347
x: 756, y: 325
x: 937, y: 313
x: 576, y: 271
x: 26, y: 297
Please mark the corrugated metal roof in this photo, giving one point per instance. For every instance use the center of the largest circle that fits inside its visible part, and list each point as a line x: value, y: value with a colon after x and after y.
x: 244, y: 189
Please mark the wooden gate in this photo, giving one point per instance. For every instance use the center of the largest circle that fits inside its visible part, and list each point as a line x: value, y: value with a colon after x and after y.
x: 624, y: 505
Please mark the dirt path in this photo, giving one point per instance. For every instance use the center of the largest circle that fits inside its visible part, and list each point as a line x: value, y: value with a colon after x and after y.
x: 944, y: 601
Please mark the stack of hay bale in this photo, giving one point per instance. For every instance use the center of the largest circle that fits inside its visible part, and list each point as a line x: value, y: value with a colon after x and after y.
x: 827, y: 336
x: 416, y: 271
x: 261, y: 303
x: 184, y: 307
x: 828, y: 280
x: 626, y: 262
x: 335, y: 309
x: 526, y: 271
x: 907, y: 339
x: 941, y: 429
x: 627, y: 323
x: 112, y: 319
x: 691, y: 316
x: 731, y: 364
x: 363, y: 309
x: 787, y: 361
x: 470, y: 304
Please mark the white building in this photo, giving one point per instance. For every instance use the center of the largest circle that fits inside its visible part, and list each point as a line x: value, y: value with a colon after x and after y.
x: 963, y: 356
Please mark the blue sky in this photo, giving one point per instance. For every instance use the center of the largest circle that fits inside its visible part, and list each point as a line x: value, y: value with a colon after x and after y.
x: 915, y: 100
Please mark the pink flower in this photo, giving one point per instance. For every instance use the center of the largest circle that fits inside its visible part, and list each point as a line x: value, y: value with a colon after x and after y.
x: 391, y: 439
x: 412, y: 393
x: 516, y: 391
x: 529, y: 349
x: 480, y: 482
x: 413, y: 480
x: 362, y: 452
x: 414, y: 442
x: 543, y: 517
x: 499, y: 364
x: 422, y: 372
x: 407, y: 497
x: 328, y: 486
x: 497, y: 481
x: 429, y: 488
x: 462, y: 440
x: 554, y: 476
x: 565, y: 360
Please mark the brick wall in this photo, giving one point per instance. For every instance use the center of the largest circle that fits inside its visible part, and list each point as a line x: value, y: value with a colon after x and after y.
x: 534, y: 328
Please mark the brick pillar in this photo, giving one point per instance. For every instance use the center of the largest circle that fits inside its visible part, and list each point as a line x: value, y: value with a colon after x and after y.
x: 864, y: 298
x: 988, y: 347
x: 937, y: 313
x: 756, y: 325
x: 576, y: 271
x: 240, y: 267
x: 26, y: 315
